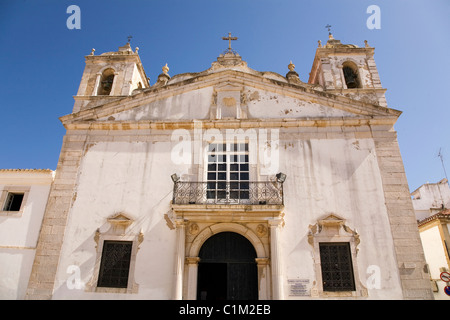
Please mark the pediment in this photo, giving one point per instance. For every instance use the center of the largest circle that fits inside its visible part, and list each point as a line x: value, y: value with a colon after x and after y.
x: 119, y: 222
x: 331, y: 225
x: 120, y: 219
x: 228, y: 86
x: 254, y: 96
x: 331, y: 220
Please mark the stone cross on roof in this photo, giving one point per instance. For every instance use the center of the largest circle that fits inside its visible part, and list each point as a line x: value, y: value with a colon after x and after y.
x: 229, y: 38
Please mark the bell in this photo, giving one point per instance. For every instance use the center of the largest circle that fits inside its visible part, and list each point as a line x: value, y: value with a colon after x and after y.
x: 351, y: 83
x: 107, y: 85
x: 350, y: 78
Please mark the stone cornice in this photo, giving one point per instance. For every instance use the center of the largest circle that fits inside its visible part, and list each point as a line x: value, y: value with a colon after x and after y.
x: 323, y: 51
x: 26, y: 176
x: 227, y: 213
x: 229, y: 124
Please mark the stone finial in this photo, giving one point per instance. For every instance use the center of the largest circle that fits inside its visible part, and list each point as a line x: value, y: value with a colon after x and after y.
x: 136, y: 50
x: 291, y: 66
x: 92, y: 51
x: 366, y: 44
x: 163, y: 77
x: 292, y: 75
x: 320, y: 43
x: 165, y: 69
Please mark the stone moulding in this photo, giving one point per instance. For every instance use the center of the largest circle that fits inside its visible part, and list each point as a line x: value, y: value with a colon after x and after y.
x: 229, y: 213
x: 231, y: 124
x: 333, y: 224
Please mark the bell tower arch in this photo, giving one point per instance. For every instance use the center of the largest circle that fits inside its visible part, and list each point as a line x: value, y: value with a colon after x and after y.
x: 110, y: 75
x: 349, y: 70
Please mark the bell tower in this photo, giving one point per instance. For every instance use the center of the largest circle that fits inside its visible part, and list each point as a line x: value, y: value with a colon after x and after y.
x: 108, y: 76
x: 348, y: 70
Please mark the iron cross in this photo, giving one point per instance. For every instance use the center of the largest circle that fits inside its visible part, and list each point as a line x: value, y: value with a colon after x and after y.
x: 229, y: 38
x: 329, y: 28
x: 129, y: 38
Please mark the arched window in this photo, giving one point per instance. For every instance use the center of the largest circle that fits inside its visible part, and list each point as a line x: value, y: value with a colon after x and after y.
x: 351, y: 76
x: 106, y: 82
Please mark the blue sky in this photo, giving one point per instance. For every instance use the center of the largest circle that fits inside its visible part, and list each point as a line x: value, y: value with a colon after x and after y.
x: 42, y: 60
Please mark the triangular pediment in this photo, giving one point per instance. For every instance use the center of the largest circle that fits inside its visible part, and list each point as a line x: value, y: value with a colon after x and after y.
x: 120, y: 218
x: 332, y: 219
x: 254, y: 94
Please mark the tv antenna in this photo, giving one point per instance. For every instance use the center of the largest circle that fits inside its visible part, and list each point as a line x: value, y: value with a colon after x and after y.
x: 442, y: 161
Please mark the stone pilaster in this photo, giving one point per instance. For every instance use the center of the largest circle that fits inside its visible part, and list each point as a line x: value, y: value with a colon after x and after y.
x: 263, y: 265
x: 61, y: 197
x: 192, y: 265
x: 179, y: 259
x: 276, y: 259
x: 405, y: 233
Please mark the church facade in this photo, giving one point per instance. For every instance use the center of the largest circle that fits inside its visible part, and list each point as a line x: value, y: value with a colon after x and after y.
x: 230, y: 183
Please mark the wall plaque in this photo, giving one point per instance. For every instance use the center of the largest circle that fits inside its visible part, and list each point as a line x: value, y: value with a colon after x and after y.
x: 298, y: 287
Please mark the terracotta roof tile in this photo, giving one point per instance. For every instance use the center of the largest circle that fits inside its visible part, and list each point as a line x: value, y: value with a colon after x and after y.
x: 444, y: 214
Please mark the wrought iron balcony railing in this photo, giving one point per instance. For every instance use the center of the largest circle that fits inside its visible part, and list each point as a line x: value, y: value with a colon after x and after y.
x: 234, y: 192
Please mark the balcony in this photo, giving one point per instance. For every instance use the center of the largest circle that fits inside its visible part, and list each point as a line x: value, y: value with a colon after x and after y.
x: 228, y: 192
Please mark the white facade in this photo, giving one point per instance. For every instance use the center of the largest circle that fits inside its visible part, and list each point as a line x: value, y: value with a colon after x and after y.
x: 345, y: 182
x: 20, y: 227
x: 431, y: 198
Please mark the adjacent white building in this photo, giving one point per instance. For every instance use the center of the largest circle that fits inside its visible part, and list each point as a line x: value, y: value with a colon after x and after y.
x: 431, y: 198
x: 431, y: 202
x: 23, y: 198
x: 230, y: 183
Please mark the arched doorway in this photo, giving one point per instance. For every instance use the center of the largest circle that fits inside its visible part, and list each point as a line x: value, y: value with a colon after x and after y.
x: 227, y: 269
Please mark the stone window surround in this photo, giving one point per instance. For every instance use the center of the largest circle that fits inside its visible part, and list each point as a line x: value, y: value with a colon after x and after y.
x: 119, y: 223
x: 333, y: 229
x: 14, y: 189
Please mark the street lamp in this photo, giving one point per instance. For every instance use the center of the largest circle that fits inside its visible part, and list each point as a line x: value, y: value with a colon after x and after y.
x: 175, y: 178
x: 281, y: 177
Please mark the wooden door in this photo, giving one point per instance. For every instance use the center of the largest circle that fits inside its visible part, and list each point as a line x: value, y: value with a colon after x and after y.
x: 227, y: 269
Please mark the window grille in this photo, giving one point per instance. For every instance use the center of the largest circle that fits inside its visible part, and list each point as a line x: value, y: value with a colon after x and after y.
x: 115, y: 264
x: 336, y: 264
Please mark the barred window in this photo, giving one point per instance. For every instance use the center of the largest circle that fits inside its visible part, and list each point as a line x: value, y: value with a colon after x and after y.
x: 115, y: 264
x: 336, y: 264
